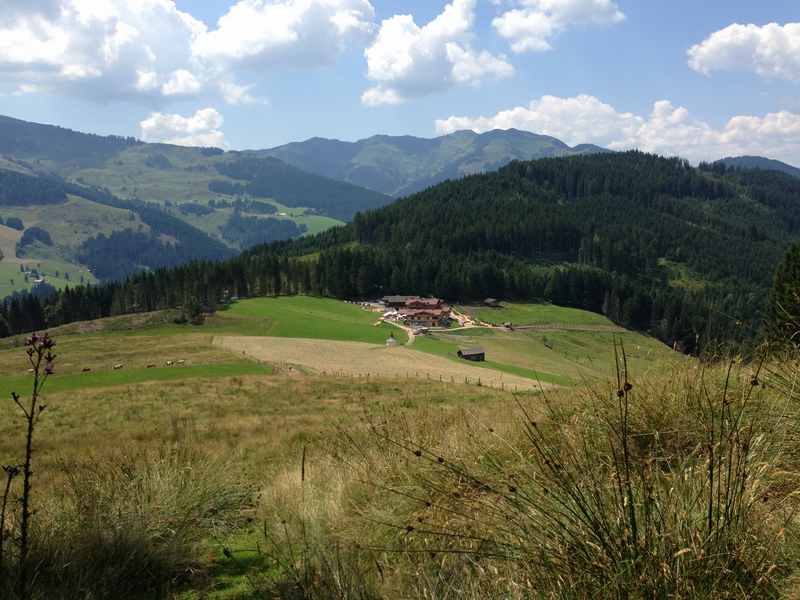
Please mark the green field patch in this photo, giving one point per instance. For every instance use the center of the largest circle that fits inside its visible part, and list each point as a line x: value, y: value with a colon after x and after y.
x: 554, y: 355
x: 66, y: 383
x: 303, y: 317
x: 316, y: 223
x: 447, y: 349
x: 535, y: 314
x: 681, y: 276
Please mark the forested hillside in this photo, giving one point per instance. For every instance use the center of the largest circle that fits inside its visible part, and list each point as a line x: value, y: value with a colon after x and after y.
x: 401, y: 165
x: 272, y: 178
x: 34, y: 141
x: 686, y: 254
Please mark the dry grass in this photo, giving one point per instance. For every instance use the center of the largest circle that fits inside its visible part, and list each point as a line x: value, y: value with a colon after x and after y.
x: 466, y: 504
x: 260, y: 420
x: 359, y: 359
x: 382, y: 487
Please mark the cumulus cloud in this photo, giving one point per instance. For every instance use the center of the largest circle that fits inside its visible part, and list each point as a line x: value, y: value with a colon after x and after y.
x: 150, y: 50
x: 668, y: 129
x: 770, y: 51
x: 407, y: 61
x: 181, y: 83
x: 530, y: 26
x: 201, y: 129
x: 256, y: 33
x: 110, y: 49
x: 233, y: 93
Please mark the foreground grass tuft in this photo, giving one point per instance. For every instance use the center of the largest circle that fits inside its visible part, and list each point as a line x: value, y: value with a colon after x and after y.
x: 132, y: 526
x: 645, y: 490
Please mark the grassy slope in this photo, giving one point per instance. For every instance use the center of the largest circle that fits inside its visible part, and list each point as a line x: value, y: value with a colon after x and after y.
x: 305, y: 317
x: 440, y: 347
x: 535, y: 314
x: 567, y: 345
x: 264, y: 420
x: 69, y: 225
x: 72, y: 383
x: 128, y: 176
x: 551, y: 355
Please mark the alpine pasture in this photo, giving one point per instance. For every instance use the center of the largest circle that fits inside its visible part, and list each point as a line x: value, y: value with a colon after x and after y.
x: 203, y: 431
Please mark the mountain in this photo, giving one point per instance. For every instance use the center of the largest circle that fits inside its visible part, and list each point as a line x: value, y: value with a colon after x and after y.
x: 402, y: 165
x: 97, y: 198
x: 66, y: 233
x: 686, y: 254
x: 759, y: 162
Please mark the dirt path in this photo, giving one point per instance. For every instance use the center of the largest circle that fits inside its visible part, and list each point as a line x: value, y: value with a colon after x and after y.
x: 356, y: 359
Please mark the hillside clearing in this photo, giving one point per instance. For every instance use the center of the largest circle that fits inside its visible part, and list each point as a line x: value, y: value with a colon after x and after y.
x: 547, y: 315
x: 356, y: 359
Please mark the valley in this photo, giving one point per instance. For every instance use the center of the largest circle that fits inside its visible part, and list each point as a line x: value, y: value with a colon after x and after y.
x: 382, y: 300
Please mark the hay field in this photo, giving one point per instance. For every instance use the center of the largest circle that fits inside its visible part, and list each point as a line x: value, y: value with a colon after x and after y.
x: 368, y: 360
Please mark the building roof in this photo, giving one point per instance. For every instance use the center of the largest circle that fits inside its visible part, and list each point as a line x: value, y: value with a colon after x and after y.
x: 475, y: 350
x: 426, y: 302
x: 398, y: 299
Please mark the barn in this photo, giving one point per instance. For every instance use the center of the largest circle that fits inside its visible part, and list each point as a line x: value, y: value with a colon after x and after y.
x: 475, y: 354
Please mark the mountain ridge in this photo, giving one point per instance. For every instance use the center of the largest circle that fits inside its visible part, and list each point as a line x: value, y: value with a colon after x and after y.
x: 759, y: 162
x: 401, y: 165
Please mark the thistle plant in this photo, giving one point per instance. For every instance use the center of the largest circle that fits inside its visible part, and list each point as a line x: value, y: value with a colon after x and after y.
x: 39, y: 348
x: 10, y: 472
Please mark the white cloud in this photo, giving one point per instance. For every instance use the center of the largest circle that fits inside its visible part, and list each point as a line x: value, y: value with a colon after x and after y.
x: 181, y: 83
x: 530, y: 26
x: 666, y: 130
x: 150, y: 50
x: 100, y: 49
x: 234, y: 93
x: 770, y: 51
x: 258, y: 33
x: 406, y: 60
x: 201, y: 129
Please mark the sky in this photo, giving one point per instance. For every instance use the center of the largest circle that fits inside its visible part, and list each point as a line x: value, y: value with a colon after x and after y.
x: 701, y: 80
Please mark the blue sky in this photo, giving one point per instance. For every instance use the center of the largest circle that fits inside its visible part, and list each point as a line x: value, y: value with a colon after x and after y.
x: 274, y: 71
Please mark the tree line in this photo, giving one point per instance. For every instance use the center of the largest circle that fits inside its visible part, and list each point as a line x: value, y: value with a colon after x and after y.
x: 598, y: 232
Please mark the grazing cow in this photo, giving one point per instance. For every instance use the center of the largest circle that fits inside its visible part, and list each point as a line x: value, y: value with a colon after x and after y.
x: 85, y: 370
x: 181, y: 362
x: 170, y: 363
x: 117, y: 367
x: 151, y: 366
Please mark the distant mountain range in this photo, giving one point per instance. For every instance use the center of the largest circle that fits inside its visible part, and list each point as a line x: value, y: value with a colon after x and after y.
x: 401, y: 165
x: 81, y: 207
x: 108, y: 206
x: 759, y: 162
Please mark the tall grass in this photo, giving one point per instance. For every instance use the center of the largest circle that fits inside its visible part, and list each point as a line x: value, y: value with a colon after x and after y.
x: 679, y: 488
x: 131, y: 526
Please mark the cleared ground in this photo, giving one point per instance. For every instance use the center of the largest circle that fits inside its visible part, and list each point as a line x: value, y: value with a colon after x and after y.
x: 357, y: 359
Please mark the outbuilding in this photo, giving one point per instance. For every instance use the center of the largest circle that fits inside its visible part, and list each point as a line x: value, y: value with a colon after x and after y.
x: 476, y: 354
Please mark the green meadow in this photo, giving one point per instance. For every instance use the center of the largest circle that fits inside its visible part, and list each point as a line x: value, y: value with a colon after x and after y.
x: 303, y: 317
x: 535, y: 314
x: 71, y: 383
